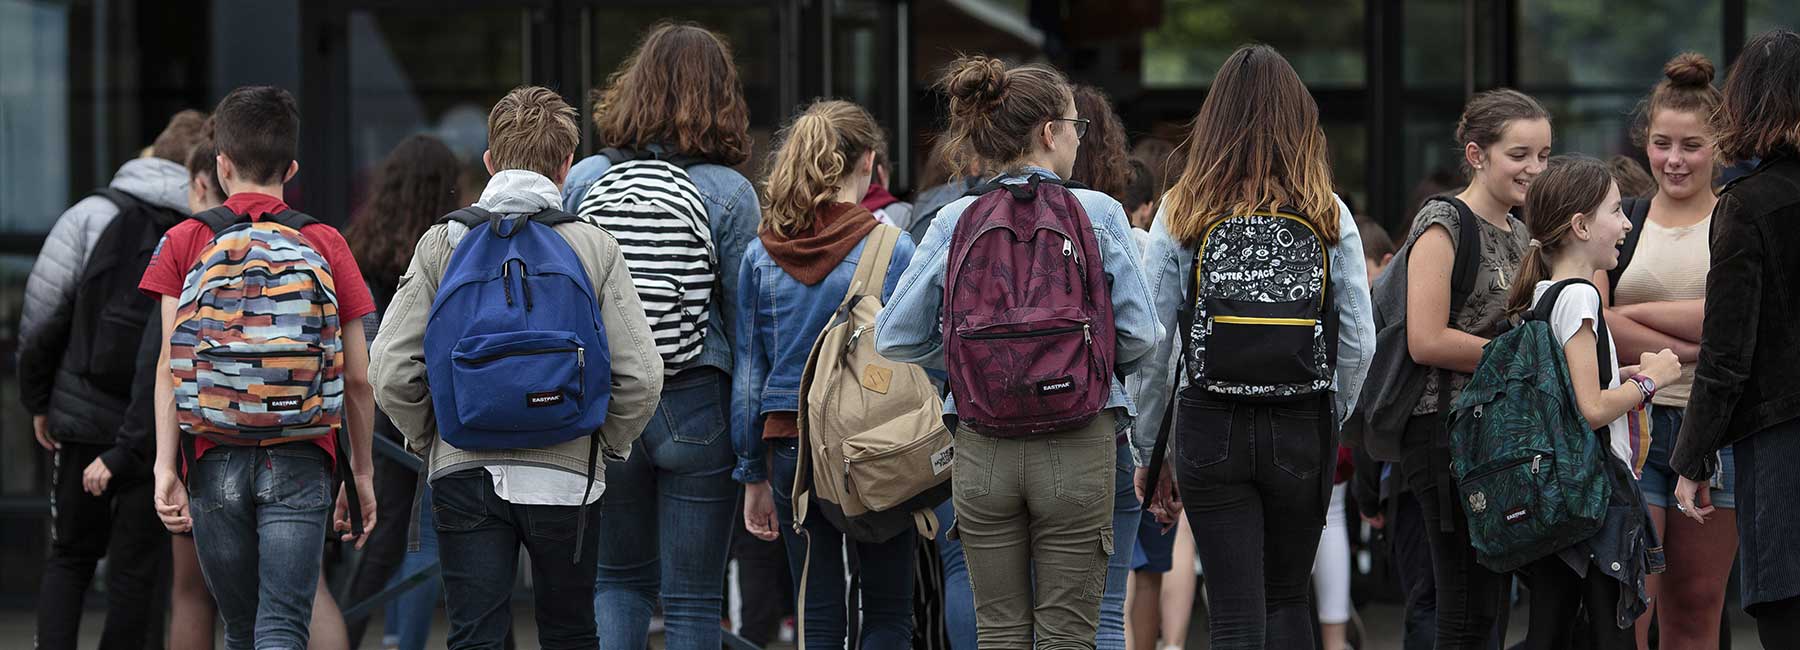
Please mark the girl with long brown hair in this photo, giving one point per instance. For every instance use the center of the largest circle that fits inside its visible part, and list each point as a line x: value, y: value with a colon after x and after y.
x: 1657, y: 297
x: 1576, y: 227
x: 1257, y: 166
x: 668, y: 507
x: 1033, y: 512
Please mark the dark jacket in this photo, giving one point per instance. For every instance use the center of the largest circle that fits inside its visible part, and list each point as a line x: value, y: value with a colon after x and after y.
x: 1750, y: 342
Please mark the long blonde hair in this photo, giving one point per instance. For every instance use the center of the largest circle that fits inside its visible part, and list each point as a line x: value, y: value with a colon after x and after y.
x: 1256, y: 145
x: 816, y: 152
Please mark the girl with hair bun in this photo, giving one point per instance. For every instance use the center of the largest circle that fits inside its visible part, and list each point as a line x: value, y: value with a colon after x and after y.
x: 814, y: 232
x: 1658, y: 295
x: 1034, y: 513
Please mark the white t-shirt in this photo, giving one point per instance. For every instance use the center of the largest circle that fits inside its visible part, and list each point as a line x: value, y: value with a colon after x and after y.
x: 1578, y: 306
x: 541, y: 486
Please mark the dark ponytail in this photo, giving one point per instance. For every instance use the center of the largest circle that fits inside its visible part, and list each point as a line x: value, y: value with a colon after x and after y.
x: 1572, y: 184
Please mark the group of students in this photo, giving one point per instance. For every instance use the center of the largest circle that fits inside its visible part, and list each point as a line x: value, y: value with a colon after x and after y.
x: 598, y: 360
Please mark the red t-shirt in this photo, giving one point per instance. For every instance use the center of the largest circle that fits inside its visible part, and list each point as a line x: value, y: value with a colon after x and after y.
x: 181, y: 247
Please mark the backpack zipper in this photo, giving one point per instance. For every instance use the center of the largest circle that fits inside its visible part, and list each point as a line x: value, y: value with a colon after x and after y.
x: 1086, y: 333
x: 1536, y: 462
x: 1257, y: 320
x: 580, y: 355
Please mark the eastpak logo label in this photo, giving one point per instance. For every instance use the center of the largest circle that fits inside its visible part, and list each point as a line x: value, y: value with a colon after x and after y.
x: 540, y: 400
x: 1516, y: 515
x: 282, y: 403
x: 1061, y: 384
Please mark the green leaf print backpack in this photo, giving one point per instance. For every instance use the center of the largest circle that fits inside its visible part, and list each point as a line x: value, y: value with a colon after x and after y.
x: 1528, y: 466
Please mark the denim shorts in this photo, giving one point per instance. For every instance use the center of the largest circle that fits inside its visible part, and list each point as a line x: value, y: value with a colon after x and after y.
x: 1155, y: 550
x: 1658, y: 482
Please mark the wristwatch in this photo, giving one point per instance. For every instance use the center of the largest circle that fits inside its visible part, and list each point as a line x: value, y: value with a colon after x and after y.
x: 1645, y: 385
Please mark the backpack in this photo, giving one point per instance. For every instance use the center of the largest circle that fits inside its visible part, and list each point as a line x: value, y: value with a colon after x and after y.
x: 1395, y: 383
x: 648, y: 202
x: 1637, y: 211
x: 872, y: 430
x: 256, y: 354
x: 1264, y: 327
x: 515, y: 353
x: 1028, y: 319
x: 109, y: 312
x: 1529, y: 468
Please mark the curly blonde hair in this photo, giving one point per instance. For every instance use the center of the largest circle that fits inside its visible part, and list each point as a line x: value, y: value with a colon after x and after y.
x: 816, y: 152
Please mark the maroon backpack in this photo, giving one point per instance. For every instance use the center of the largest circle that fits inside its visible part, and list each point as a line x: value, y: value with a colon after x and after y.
x: 1028, y: 318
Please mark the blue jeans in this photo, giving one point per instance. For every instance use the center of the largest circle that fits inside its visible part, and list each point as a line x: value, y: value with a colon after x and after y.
x: 479, y: 535
x: 409, y: 616
x: 668, y: 516
x: 959, y: 597
x: 885, y: 570
x: 260, y: 515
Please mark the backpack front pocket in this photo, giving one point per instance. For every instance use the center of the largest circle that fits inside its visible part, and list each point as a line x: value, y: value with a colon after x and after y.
x: 1262, y: 343
x: 251, y: 387
x: 518, y: 381
x: 1033, y: 369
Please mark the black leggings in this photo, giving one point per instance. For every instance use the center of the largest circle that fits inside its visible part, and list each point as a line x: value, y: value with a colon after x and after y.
x: 1557, y: 599
x: 1777, y: 622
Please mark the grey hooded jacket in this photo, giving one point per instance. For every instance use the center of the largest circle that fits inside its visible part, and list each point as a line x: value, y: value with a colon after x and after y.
x: 77, y: 411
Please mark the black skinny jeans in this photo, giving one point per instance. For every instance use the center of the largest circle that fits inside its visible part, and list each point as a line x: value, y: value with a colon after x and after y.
x: 1250, y: 481
x: 1470, y: 598
x: 1558, y: 597
x: 120, y: 524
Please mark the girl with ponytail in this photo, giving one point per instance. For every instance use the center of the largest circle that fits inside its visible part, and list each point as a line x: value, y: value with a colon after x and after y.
x: 1577, y: 227
x: 793, y: 277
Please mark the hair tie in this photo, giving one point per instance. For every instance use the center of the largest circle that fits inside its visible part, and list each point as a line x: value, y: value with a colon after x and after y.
x: 1535, y: 244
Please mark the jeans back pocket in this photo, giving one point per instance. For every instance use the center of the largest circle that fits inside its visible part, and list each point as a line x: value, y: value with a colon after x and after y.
x: 1203, y: 429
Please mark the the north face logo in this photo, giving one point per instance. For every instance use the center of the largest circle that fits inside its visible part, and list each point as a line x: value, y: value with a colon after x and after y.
x: 540, y: 400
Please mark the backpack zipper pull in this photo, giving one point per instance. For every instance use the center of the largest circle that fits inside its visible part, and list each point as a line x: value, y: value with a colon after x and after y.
x: 1069, y: 252
x: 581, y: 369
x: 1068, y: 248
x: 506, y: 281
x: 1535, y: 460
x: 1087, y: 334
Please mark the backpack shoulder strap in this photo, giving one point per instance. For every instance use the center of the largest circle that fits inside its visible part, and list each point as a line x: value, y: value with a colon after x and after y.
x: 293, y: 219
x: 218, y: 219
x: 469, y: 217
x: 871, y: 269
x: 1467, y: 255
x: 1546, y: 306
x: 554, y: 217
x: 122, y: 200
x: 622, y: 154
x: 1637, y: 211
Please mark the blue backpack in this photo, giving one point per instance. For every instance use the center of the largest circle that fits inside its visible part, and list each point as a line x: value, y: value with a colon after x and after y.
x: 514, y: 351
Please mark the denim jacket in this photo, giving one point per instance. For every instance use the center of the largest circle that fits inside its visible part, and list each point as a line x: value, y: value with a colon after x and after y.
x: 1170, y: 266
x: 910, y: 327
x: 778, y: 321
x: 733, y: 211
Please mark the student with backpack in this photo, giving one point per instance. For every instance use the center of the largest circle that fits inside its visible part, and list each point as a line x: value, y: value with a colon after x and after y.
x: 1436, y: 306
x: 416, y: 184
x: 1656, y: 296
x: 820, y: 257
x: 192, y: 611
x: 1034, y: 331
x: 1543, y: 452
x: 78, y: 332
x: 673, y: 123
x: 250, y: 462
x: 1742, y: 393
x: 1257, y: 270
x: 514, y: 357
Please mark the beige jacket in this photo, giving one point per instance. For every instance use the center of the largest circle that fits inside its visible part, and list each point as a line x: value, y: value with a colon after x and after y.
x: 397, y: 359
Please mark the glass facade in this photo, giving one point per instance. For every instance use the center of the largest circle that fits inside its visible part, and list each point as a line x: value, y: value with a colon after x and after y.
x: 86, y: 84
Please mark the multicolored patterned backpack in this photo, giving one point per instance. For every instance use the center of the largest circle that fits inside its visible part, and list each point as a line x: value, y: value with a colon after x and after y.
x: 255, y: 353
